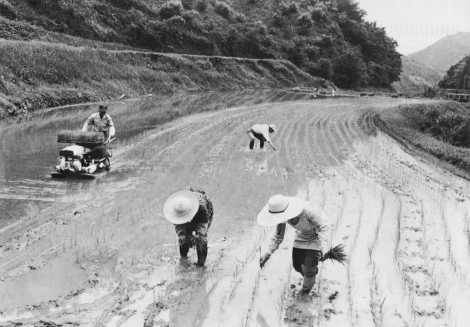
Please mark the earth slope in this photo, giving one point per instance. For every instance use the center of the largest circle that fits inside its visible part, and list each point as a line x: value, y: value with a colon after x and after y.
x: 326, y: 38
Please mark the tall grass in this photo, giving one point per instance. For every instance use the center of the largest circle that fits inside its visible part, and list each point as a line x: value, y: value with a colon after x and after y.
x: 38, y: 74
x: 440, y: 129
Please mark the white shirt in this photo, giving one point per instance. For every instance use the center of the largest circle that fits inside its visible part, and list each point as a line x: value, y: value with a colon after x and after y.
x: 98, y: 124
x: 262, y: 129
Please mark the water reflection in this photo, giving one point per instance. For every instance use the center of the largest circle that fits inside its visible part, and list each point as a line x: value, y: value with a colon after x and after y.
x: 28, y: 149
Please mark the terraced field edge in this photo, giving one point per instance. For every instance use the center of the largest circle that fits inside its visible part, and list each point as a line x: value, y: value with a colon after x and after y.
x: 443, y: 140
x: 37, y: 75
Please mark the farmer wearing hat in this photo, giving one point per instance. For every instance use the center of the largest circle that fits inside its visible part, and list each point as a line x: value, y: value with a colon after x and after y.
x: 191, y: 212
x: 100, y: 122
x: 262, y: 133
x: 309, y: 243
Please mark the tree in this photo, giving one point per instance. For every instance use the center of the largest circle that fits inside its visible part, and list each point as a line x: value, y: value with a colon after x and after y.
x: 351, y: 9
x: 350, y: 70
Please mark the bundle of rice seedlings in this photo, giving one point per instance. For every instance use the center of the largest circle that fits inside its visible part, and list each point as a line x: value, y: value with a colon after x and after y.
x: 80, y: 137
x: 335, y: 253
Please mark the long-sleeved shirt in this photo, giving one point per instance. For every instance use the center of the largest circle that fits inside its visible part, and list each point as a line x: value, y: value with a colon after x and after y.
x: 99, y: 124
x: 310, y: 231
x: 262, y: 129
x: 206, y: 210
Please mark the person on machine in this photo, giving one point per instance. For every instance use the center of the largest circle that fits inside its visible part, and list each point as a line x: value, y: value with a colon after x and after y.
x: 100, y: 122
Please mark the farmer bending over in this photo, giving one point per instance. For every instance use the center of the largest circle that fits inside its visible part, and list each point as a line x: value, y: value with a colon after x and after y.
x: 261, y: 132
x: 309, y: 225
x: 191, y: 212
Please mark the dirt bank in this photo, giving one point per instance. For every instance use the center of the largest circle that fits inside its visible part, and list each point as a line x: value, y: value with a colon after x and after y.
x: 438, y: 128
x: 36, y: 75
x: 404, y: 223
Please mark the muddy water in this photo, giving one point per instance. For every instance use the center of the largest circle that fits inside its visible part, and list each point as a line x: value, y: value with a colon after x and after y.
x: 28, y: 150
x: 27, y: 156
x: 326, y: 154
x: 117, y: 217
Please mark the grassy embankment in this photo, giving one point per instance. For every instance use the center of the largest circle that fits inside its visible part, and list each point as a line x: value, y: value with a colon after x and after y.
x: 439, y: 128
x: 36, y: 75
x: 331, y: 39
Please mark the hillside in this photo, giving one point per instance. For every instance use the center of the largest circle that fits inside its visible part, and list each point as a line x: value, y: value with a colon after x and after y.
x: 458, y: 76
x: 327, y: 38
x: 441, y: 55
x: 415, y: 77
x: 35, y: 75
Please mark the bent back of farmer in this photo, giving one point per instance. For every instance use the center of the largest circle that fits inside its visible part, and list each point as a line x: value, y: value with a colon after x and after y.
x: 191, y: 212
x: 261, y: 132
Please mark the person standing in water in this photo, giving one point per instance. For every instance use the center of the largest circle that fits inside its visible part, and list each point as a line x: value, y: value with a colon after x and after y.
x: 261, y: 132
x: 309, y: 223
x: 191, y: 212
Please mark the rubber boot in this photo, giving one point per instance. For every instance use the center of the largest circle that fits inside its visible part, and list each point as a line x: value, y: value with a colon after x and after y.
x: 309, y: 279
x: 201, y: 248
x: 184, y: 248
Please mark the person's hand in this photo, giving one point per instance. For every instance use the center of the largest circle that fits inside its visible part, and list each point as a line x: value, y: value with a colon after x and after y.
x: 264, y: 258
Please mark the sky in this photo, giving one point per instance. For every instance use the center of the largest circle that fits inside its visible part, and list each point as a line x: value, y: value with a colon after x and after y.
x: 415, y: 24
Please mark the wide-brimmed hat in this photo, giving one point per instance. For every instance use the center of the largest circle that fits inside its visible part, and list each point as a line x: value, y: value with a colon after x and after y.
x: 280, y: 209
x: 181, y: 207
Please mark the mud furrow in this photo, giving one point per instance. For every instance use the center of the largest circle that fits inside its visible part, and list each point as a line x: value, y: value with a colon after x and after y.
x: 404, y: 222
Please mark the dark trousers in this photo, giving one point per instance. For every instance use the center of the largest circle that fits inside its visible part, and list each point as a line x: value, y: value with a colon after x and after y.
x: 261, y: 139
x: 306, y: 263
x: 98, y: 152
x: 192, y: 234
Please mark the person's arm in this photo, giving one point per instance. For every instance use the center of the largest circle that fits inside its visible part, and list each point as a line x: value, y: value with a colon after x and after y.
x: 268, y: 139
x: 87, y: 123
x: 112, y: 129
x: 320, y: 219
x: 112, y: 132
x: 271, y: 144
x: 206, y: 208
x: 274, y: 245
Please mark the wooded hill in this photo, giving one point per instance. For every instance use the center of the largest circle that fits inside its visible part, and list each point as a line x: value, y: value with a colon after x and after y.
x: 327, y: 38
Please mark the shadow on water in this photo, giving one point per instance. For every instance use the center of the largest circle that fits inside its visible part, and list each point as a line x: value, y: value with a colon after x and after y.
x: 28, y: 148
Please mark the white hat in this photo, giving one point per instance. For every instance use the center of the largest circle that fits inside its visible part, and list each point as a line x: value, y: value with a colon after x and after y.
x: 181, y: 207
x: 280, y: 209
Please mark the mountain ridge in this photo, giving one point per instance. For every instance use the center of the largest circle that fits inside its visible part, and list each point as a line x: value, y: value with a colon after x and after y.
x: 458, y: 76
x: 416, y: 77
x: 445, y: 52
